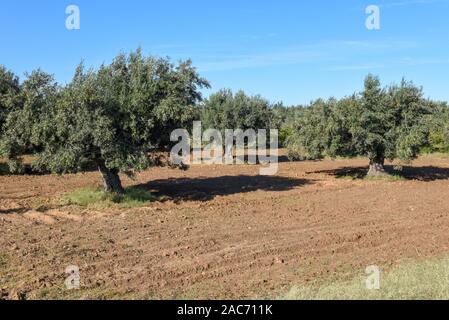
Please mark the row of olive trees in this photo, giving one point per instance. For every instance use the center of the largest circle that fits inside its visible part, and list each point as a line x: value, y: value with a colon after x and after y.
x: 395, y: 122
x: 112, y: 117
x: 115, y: 115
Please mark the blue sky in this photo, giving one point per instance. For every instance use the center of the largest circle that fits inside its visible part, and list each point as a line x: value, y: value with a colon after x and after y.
x: 286, y: 50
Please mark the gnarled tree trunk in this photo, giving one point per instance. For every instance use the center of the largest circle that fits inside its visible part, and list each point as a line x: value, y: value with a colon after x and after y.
x: 376, y: 168
x: 111, y: 179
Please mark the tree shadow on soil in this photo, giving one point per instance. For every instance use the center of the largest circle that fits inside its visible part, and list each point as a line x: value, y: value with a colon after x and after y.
x: 204, y: 189
x: 13, y: 211
x: 427, y: 174
x: 4, y: 169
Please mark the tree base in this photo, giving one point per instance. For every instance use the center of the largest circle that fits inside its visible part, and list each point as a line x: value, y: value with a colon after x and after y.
x: 376, y: 170
x: 111, y: 179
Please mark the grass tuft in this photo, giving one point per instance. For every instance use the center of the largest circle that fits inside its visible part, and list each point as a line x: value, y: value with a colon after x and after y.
x: 411, y: 281
x: 94, y: 197
x: 3, y: 260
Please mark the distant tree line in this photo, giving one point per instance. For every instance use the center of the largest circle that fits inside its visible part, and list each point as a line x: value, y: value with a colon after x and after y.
x: 114, y: 116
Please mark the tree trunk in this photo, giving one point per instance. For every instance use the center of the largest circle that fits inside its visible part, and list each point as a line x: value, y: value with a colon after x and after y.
x: 111, y: 179
x: 376, y: 168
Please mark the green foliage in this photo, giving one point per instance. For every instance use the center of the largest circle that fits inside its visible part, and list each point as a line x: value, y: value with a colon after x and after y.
x: 9, y: 91
x: 32, y: 106
x: 91, y: 197
x: 278, y: 116
x: 438, y: 140
x: 379, y: 123
x: 119, y: 113
x: 224, y: 110
x: 283, y: 118
x: 437, y: 143
x: 4, y: 168
x: 410, y: 117
x: 310, y: 136
x: 284, y: 134
x: 112, y: 116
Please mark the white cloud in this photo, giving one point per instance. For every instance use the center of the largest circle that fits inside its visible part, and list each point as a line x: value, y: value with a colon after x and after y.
x: 410, y: 2
x: 423, y: 61
x: 356, y: 67
x: 319, y: 52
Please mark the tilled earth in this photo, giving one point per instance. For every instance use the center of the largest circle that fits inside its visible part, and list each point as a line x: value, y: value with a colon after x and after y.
x: 221, y: 231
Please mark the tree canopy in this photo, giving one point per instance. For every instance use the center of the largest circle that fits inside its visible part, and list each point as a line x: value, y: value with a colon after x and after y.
x: 225, y: 110
x: 379, y: 123
x: 33, y: 103
x: 113, y: 116
x: 9, y: 91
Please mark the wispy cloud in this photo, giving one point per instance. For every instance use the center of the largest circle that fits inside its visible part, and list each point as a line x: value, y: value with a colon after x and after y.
x: 403, y: 3
x: 390, y: 64
x: 283, y: 57
x: 372, y: 45
x: 356, y: 67
x: 422, y: 61
x: 332, y: 51
x: 411, y: 2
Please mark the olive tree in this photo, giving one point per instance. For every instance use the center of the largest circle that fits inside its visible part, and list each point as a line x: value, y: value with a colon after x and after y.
x: 225, y: 110
x: 438, y: 128
x: 32, y: 104
x: 379, y: 123
x: 114, y: 116
x: 390, y: 123
x: 283, y: 118
x: 9, y: 91
x: 310, y: 137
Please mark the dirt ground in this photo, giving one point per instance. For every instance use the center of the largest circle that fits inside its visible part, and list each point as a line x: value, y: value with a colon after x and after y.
x: 221, y: 232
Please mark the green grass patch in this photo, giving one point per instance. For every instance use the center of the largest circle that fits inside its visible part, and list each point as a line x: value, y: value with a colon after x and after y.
x: 427, y: 280
x: 95, y: 197
x: 350, y: 178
